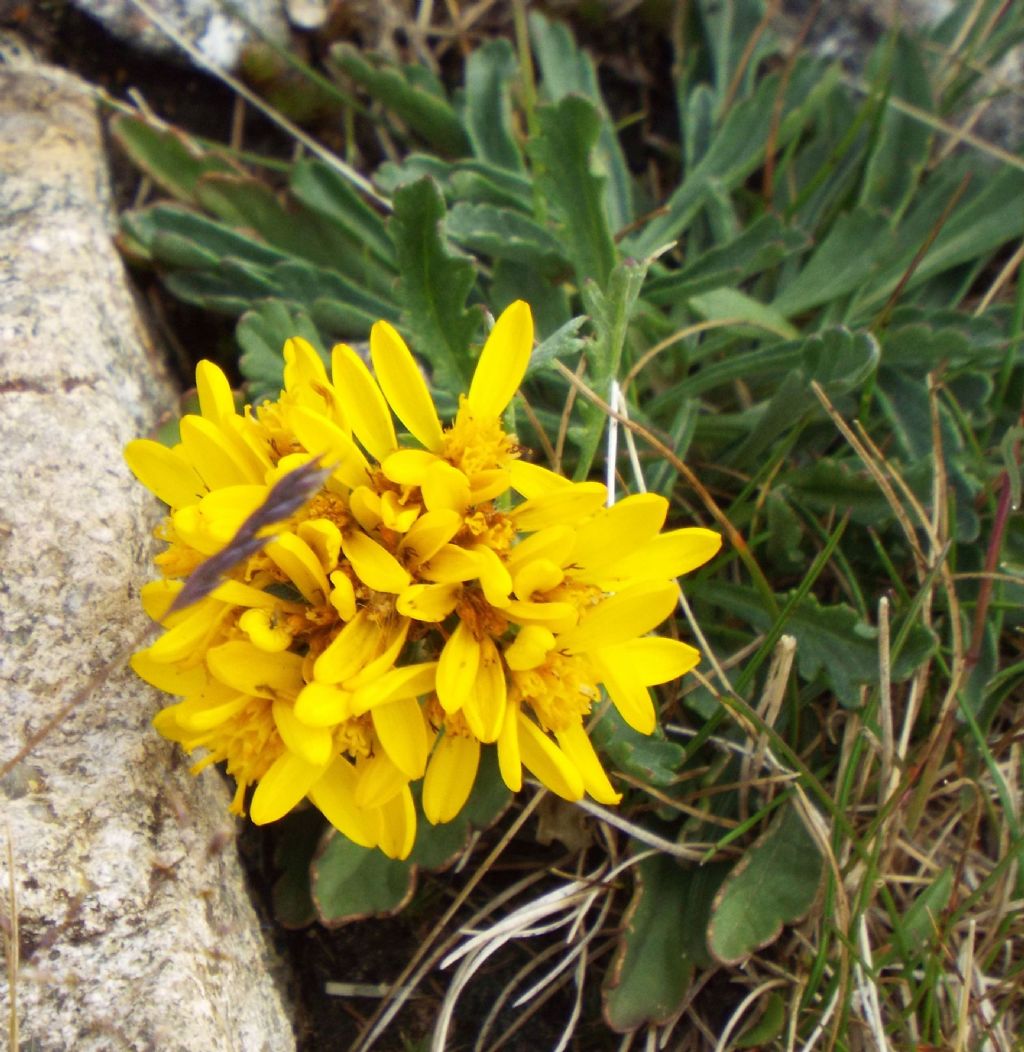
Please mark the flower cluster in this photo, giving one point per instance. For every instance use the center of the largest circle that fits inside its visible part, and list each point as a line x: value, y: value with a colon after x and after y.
x: 436, y: 594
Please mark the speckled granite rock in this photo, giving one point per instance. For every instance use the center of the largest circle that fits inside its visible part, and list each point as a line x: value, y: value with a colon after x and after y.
x: 136, y: 928
x: 205, y: 23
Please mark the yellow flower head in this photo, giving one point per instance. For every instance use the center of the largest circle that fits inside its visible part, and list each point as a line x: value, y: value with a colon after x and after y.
x: 437, y: 594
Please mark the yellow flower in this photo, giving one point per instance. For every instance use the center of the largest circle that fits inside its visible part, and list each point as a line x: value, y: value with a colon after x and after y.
x: 436, y: 595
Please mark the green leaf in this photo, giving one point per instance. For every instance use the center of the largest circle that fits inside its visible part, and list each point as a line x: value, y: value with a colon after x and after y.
x: 831, y: 640
x: 738, y: 148
x: 840, y: 264
x: 323, y: 191
x: 560, y: 344
x: 250, y: 204
x: 719, y: 304
x: 651, y: 758
x: 662, y: 942
x: 611, y: 312
x: 566, y: 70
x: 918, y: 929
x: 168, y: 156
x: 231, y: 289
x: 404, y: 91
x: 171, y: 225
x: 762, y: 244
x: 489, y: 71
x: 770, y: 1026
x: 350, y: 882
x: 297, y: 837
x: 987, y: 217
x: 903, y: 142
x: 567, y: 175
x: 502, y: 233
x: 261, y: 333
x: 435, y: 282
x: 774, y: 884
x: 547, y: 296
x: 730, y: 26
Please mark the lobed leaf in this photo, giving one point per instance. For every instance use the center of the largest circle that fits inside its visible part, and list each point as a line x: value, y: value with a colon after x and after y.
x: 773, y: 885
x: 434, y: 284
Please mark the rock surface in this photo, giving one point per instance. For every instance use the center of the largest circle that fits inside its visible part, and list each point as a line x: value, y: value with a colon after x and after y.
x: 207, y: 24
x: 136, y: 930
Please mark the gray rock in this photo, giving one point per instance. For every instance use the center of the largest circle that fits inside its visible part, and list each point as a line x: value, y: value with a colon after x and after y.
x: 208, y: 24
x: 136, y: 930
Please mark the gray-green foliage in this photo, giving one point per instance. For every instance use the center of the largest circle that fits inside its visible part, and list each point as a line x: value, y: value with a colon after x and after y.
x: 850, y: 274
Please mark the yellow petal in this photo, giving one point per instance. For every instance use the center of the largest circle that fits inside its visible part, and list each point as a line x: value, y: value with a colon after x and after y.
x: 202, y: 714
x: 408, y: 467
x: 630, y: 613
x: 164, y: 472
x: 253, y: 671
x: 484, y: 708
x: 444, y: 486
x: 577, y: 746
x: 334, y: 794
x: 322, y: 436
x: 188, y: 636
x: 532, y: 480
x: 322, y: 705
x: 450, y: 777
x: 364, y: 503
x: 547, y: 762
x: 451, y: 563
x: 617, y: 530
x: 398, y: 825
x: 313, y: 744
x: 530, y: 648
x: 172, y: 678
x: 556, y: 617
x: 429, y: 602
x: 403, y: 734
x: 215, y: 398
x: 343, y: 596
x: 374, y: 565
x: 651, y: 659
x: 669, y: 555
x: 389, y: 646
x: 503, y: 361
x: 554, y: 543
x: 379, y: 781
x: 560, y: 506
x: 324, y: 538
x: 294, y: 557
x: 238, y: 594
x: 363, y: 402
x: 539, y: 576
x: 158, y: 595
x: 427, y: 535
x: 409, y: 681
x: 628, y: 694
x: 213, y: 455
x: 488, y: 484
x: 457, y: 669
x: 286, y: 782
x: 395, y: 514
x: 303, y: 367
x: 403, y: 385
x: 264, y: 631
x: 347, y: 652
x: 509, y: 760
x: 495, y: 579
